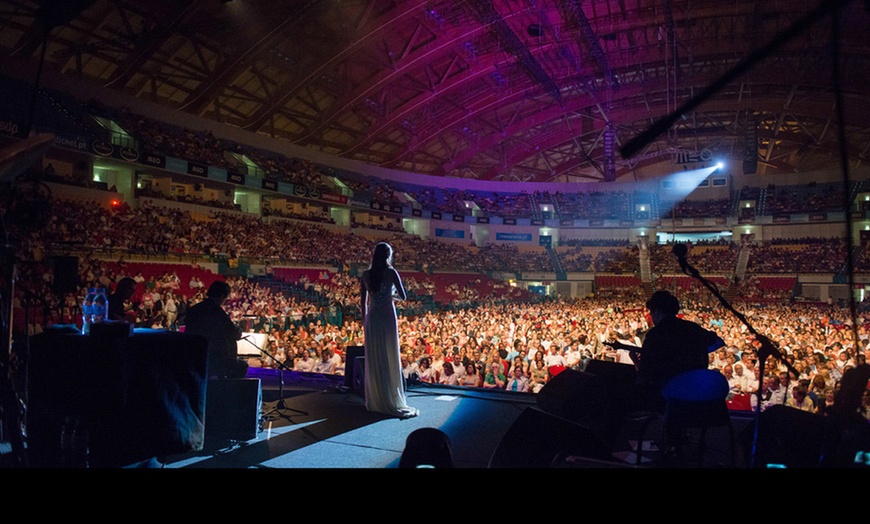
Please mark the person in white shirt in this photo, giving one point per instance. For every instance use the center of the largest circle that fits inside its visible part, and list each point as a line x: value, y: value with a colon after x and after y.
x: 409, y: 366
x: 728, y: 371
x: 734, y: 383
x: 718, y: 359
x: 742, y: 379
x: 554, y: 357
x: 585, y: 349
x: 325, y: 365
x: 437, y: 362
x: 336, y: 357
x: 448, y: 377
x: 777, y: 393
x: 573, y: 357
x: 546, y: 344
x: 171, y: 311
x: 624, y: 356
x: 319, y: 334
x: 340, y: 363
x: 305, y: 364
x: 458, y: 368
x: 424, y: 370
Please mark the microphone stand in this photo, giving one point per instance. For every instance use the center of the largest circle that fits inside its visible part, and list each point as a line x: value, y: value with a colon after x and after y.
x: 768, y: 348
x: 281, y: 367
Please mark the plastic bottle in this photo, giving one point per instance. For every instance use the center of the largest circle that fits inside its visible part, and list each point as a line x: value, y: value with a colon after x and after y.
x: 101, y: 306
x: 88, y: 311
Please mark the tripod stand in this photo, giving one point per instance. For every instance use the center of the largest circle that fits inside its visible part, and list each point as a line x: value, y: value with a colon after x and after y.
x: 280, y: 406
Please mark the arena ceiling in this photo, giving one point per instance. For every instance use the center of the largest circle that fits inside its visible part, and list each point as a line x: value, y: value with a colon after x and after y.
x: 513, y: 90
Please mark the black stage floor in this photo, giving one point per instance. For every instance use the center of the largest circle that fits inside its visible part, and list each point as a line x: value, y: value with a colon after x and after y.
x: 327, y: 426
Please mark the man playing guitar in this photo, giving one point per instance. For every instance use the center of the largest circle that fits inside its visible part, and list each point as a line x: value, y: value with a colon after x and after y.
x: 672, y: 346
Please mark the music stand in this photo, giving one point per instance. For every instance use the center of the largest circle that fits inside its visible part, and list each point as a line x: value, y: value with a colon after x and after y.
x: 281, y: 367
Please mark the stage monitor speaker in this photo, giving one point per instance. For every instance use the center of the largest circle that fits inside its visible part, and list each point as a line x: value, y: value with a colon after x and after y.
x: 66, y: 274
x: 620, y: 376
x: 350, y: 364
x: 789, y: 437
x: 538, y: 439
x: 359, y: 373
x: 232, y: 409
x: 592, y: 400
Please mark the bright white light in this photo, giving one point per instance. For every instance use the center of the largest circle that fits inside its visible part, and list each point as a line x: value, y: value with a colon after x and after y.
x: 683, y: 183
x: 719, y: 165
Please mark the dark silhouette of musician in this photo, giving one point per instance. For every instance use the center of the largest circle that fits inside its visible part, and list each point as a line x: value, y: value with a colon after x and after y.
x: 209, y: 320
x: 672, y: 346
x: 124, y: 290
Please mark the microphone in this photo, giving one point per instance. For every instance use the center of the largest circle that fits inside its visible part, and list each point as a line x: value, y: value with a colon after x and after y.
x: 680, y: 251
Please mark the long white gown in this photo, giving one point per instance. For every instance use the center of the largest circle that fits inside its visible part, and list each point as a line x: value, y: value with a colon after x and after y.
x: 384, y: 386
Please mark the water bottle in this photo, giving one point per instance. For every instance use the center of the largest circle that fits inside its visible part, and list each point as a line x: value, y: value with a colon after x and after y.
x: 88, y: 310
x: 100, y: 306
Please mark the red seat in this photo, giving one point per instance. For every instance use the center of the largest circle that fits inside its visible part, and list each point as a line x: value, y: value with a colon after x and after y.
x: 740, y: 402
x: 555, y: 370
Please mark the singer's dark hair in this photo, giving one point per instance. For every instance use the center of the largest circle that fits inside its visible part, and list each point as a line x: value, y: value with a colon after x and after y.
x: 663, y: 301
x: 382, y: 258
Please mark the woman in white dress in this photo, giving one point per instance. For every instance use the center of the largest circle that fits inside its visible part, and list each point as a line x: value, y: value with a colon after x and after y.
x: 384, y: 382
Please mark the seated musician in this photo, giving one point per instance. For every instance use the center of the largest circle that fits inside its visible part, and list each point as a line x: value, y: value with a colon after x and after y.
x: 673, y: 345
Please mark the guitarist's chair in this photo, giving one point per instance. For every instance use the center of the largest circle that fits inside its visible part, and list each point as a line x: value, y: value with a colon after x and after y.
x: 697, y: 400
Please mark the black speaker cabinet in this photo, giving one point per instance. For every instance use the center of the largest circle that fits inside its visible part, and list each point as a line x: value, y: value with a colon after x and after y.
x: 350, y: 364
x: 592, y: 400
x: 540, y: 440
x: 620, y: 376
x: 139, y: 396
x: 232, y: 409
x: 359, y: 374
x: 789, y: 437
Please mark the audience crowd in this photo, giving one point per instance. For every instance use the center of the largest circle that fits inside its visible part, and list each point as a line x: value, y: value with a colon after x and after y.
x: 160, y: 138
x: 478, y: 332
x: 475, y: 332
